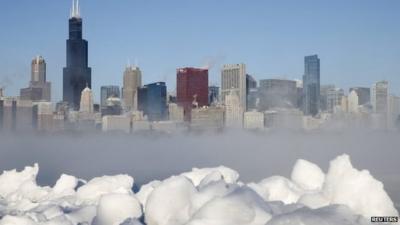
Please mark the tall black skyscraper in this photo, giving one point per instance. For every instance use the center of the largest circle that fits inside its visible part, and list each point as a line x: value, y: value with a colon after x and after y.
x: 76, y: 75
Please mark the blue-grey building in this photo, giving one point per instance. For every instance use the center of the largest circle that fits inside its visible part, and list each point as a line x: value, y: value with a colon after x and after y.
x: 311, y: 85
x: 213, y: 95
x: 76, y: 75
x: 152, y: 101
x: 107, y: 92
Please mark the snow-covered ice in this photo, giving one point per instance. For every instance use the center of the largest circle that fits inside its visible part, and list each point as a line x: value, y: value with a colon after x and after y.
x: 210, y: 196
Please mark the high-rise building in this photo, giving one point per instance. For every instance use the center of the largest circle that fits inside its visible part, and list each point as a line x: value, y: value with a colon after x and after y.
x: 86, y: 104
x: 107, y: 92
x: 213, y: 94
x: 277, y: 93
x: 233, y: 111
x: 152, y: 101
x: 379, y: 97
x: 233, y: 77
x: 363, y: 93
x: 39, y: 89
x: 311, y: 85
x: 76, y: 75
x: 191, y: 89
x: 334, y: 98
x: 324, y: 89
x: 132, y: 81
x: 353, y: 102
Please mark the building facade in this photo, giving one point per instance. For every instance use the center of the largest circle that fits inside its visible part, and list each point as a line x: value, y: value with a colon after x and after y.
x: 213, y: 95
x: 380, y: 97
x: 233, y: 78
x: 191, y: 89
x: 152, y: 101
x: 277, y: 93
x: 107, y: 92
x: 233, y: 111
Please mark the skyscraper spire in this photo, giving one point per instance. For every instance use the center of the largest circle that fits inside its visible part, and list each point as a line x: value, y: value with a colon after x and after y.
x: 75, y: 11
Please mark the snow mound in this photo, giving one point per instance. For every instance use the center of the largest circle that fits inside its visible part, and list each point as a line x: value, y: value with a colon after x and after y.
x: 307, y: 175
x: 114, y: 209
x: 210, y: 196
x: 94, y: 189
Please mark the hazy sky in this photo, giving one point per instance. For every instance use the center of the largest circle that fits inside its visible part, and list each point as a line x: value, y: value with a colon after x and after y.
x: 358, y: 41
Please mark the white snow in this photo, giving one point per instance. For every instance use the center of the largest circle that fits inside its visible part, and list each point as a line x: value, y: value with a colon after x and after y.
x: 210, y: 196
x: 114, y: 209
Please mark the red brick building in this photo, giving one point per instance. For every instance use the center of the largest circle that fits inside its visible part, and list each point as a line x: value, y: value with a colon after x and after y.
x: 191, y: 85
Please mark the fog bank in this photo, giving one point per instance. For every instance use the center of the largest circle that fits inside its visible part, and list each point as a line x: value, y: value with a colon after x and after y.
x: 254, y: 156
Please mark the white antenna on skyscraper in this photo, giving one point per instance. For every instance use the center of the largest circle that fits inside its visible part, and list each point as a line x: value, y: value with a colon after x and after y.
x: 75, y: 11
x: 78, y: 10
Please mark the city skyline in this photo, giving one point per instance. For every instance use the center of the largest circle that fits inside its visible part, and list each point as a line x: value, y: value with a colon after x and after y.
x: 286, y: 61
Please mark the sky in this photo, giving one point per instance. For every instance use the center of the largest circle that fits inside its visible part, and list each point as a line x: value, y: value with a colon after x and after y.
x: 357, y: 41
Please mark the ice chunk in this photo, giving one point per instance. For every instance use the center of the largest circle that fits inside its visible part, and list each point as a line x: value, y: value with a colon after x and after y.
x: 241, y: 207
x: 114, y: 209
x: 95, y: 188
x: 145, y: 191
x: 359, y: 190
x: 278, y: 188
x: 197, y: 175
x: 307, y: 175
x: 169, y: 203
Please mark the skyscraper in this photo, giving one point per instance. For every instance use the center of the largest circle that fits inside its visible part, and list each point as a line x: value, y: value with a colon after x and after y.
x: 76, y: 75
x: 233, y: 77
x: 379, y: 97
x: 86, y: 104
x: 39, y: 89
x: 132, y: 81
x: 191, y: 87
x: 311, y: 85
x: 152, y: 101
